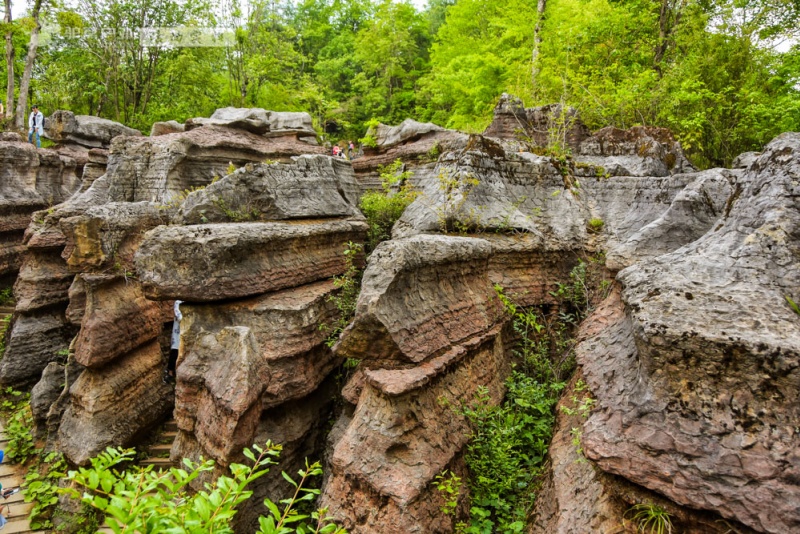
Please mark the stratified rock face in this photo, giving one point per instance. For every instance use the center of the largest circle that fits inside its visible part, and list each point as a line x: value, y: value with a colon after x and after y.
x: 168, y: 127
x: 114, y: 404
x: 421, y: 296
x: 541, y: 126
x: 160, y: 169
x: 30, y: 179
x: 117, y: 319
x: 33, y: 342
x: 311, y: 187
x: 85, y: 130
x: 254, y: 120
x: 43, y: 281
x: 640, y: 151
x: 271, y: 347
x: 403, y: 433
x: 697, y: 377
x: 220, y: 261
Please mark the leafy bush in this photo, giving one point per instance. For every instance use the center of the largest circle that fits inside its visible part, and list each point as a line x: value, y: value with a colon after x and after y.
x: 349, y: 286
x: 19, y: 426
x: 148, y: 501
x: 4, y: 324
x: 383, y: 208
x: 41, y: 488
x: 506, y: 452
x: 6, y: 296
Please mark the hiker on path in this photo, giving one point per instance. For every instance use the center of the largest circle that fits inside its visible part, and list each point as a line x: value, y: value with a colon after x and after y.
x: 36, y: 126
x: 172, y: 362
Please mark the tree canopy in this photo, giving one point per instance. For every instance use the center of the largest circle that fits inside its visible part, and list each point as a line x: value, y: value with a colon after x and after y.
x: 724, y: 75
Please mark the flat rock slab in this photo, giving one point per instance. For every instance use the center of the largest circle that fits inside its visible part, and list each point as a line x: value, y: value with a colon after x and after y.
x: 222, y: 261
x: 311, y: 187
x: 420, y: 296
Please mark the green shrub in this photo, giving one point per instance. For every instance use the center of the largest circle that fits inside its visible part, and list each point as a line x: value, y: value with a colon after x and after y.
x: 595, y: 224
x: 383, y: 208
x: 6, y: 296
x: 5, y: 322
x: 19, y: 426
x: 41, y: 488
x: 349, y: 286
x: 145, y: 500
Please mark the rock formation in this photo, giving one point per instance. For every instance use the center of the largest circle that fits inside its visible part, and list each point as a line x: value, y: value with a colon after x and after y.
x: 692, y: 361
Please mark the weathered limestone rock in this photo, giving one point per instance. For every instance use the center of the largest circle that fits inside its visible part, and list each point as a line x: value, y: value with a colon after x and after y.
x: 403, y: 433
x: 117, y: 319
x: 43, y: 281
x: 311, y: 187
x: 85, y: 130
x: 242, y: 358
x: 112, y: 405
x: 693, y: 212
x: 421, y: 296
x: 160, y: 169
x: 105, y: 238
x: 539, y: 126
x: 639, y: 151
x: 295, y: 122
x: 221, y: 261
x: 254, y: 120
x: 408, y: 130
x: 168, y: 127
x: 696, y: 377
x: 33, y: 342
x: 54, y: 384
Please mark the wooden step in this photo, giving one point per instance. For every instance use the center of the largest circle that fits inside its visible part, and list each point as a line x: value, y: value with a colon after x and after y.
x: 154, y: 450
x: 158, y: 462
x: 171, y: 426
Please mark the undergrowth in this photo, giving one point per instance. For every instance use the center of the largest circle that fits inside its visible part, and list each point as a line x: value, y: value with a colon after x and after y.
x: 348, y: 285
x: 383, y: 208
x: 508, y: 447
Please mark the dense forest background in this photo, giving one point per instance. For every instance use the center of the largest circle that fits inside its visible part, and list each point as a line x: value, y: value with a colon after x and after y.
x: 724, y: 75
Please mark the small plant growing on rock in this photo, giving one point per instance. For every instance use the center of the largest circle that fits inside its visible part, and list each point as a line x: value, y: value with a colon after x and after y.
x: 595, y: 225
x: 383, y: 208
x: 793, y: 304
x: 651, y: 519
x: 455, y: 189
x: 349, y: 286
x: 449, y: 486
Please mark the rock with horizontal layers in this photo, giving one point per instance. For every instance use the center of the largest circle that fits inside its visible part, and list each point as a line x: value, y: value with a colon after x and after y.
x: 105, y: 238
x: 270, y: 346
x: 540, y: 126
x: 285, y: 122
x: 56, y: 380
x: 85, y: 130
x: 404, y: 432
x: 113, y: 405
x: 312, y: 187
x: 696, y: 377
x: 408, y: 130
x: 117, y: 319
x: 692, y: 213
x: 167, y: 127
x: 162, y: 169
x: 253, y: 120
x: 421, y: 296
x: 639, y: 151
x: 211, y: 262
x: 33, y: 342
x: 43, y: 281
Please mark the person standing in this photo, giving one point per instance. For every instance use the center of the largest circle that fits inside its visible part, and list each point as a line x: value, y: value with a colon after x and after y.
x: 36, y: 126
x: 172, y: 362
x: 2, y: 110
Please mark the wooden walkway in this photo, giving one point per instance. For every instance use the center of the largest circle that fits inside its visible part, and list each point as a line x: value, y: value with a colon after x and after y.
x: 11, y: 476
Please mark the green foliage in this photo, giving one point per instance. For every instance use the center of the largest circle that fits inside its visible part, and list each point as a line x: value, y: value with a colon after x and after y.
x: 19, y: 426
x: 41, y: 488
x: 5, y: 322
x: 7, y: 296
x: 349, y: 286
x: 651, y: 519
x: 455, y: 189
x: 383, y: 208
x: 596, y: 224
x: 448, y: 484
x: 148, y: 501
x: 506, y: 452
x: 792, y: 304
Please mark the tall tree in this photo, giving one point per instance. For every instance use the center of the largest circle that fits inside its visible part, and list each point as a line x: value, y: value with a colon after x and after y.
x: 25, y: 83
x: 9, y: 60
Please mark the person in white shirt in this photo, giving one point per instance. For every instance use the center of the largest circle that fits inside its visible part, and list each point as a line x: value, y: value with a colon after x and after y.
x: 169, y: 374
x: 36, y: 126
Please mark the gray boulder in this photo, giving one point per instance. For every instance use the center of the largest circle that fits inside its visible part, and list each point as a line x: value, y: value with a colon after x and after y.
x: 254, y: 120
x: 85, y: 130
x: 312, y: 187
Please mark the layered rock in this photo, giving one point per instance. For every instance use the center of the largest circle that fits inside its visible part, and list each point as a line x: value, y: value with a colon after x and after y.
x: 430, y: 332
x: 65, y: 127
x: 694, y: 376
x: 271, y: 347
x: 221, y: 261
x: 115, y: 404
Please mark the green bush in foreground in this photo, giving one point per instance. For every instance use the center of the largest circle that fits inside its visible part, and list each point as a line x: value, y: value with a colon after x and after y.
x: 146, y: 501
x: 383, y: 208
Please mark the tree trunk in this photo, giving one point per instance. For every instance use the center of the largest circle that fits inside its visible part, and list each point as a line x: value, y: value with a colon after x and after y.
x: 537, y: 41
x: 25, y: 83
x: 9, y: 62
